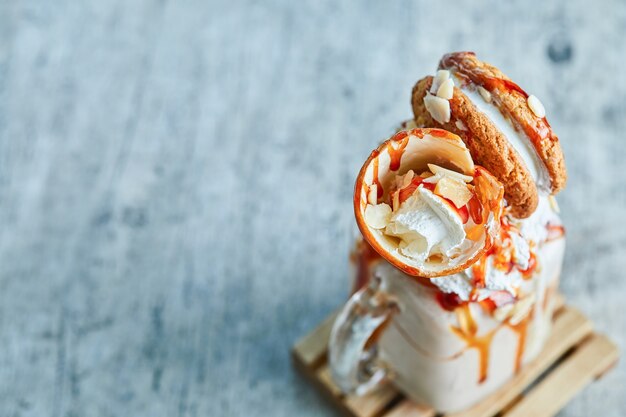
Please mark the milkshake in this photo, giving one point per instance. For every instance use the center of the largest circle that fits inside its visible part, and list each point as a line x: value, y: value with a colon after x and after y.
x: 461, y: 246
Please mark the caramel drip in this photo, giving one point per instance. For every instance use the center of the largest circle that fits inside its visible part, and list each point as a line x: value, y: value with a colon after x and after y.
x: 521, y: 329
x: 468, y: 331
x: 395, y: 153
x: 379, y: 187
x: 479, y: 271
x: 363, y: 257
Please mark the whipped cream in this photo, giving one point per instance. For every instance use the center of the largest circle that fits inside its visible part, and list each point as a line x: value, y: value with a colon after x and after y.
x: 496, y: 280
x: 533, y: 231
x: 535, y: 227
x: 426, y: 225
x: 459, y: 284
x: 517, y: 139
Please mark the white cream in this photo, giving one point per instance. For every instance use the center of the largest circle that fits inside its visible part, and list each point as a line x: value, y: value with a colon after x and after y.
x: 462, y: 284
x: 517, y: 139
x: 535, y: 227
x: 459, y: 284
x: 426, y: 225
x: 521, y: 255
x: 498, y: 280
x: 532, y: 229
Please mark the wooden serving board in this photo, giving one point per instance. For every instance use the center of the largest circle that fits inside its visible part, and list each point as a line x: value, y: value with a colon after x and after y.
x: 573, y: 357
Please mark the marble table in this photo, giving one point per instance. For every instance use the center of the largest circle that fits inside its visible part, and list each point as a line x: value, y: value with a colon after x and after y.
x: 176, y: 177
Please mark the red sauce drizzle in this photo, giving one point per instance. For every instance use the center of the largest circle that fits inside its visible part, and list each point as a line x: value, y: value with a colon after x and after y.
x: 449, y: 301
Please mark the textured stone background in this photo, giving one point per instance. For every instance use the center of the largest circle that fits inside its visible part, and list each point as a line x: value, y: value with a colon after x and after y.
x: 175, y: 184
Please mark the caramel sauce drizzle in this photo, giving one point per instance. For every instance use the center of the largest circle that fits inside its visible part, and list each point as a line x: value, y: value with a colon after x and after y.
x: 363, y: 256
x: 521, y: 329
x: 468, y: 331
x: 396, y: 153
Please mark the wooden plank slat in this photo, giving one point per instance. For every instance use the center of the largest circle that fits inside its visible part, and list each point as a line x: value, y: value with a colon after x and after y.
x: 589, y: 361
x: 407, y: 408
x: 569, y: 328
x: 368, y: 405
x: 310, y: 351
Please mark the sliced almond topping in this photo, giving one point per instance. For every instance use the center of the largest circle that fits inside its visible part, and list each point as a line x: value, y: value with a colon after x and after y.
x: 438, y: 108
x: 503, y: 313
x: 486, y: 95
x: 446, y: 89
x: 536, y: 106
x: 377, y: 216
x: 433, y: 179
x: 454, y: 190
x: 436, y: 169
x: 438, y: 79
x: 554, y: 204
x: 372, y: 196
x: 460, y: 125
x: 408, y: 177
x: 395, y: 201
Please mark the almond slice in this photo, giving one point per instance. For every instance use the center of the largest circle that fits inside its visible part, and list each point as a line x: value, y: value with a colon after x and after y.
x: 407, y: 178
x: 395, y: 200
x: 454, y: 190
x: 438, y: 108
x: 503, y: 313
x: 372, y: 196
x: 377, y: 217
x: 444, y: 172
x: 536, y: 106
x: 438, y: 79
x: 446, y: 89
x: 433, y: 179
x: 521, y: 309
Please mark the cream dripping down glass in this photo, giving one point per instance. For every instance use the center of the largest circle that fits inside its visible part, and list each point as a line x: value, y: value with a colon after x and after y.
x: 451, y: 295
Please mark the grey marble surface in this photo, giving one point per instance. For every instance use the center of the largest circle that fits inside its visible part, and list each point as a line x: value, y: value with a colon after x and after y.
x: 175, y: 184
